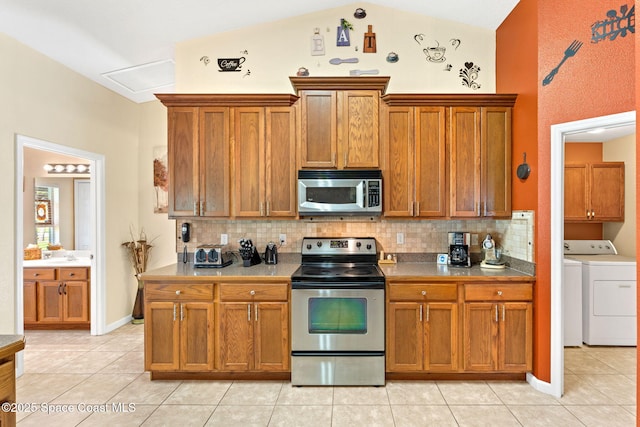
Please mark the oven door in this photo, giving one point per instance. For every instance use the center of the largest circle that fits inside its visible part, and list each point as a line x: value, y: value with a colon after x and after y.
x: 337, y: 320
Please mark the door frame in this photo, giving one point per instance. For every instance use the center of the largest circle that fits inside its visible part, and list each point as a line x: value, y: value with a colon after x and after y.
x: 98, y: 250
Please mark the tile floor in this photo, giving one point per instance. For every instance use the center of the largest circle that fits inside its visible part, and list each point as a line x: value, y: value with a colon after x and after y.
x: 99, y: 381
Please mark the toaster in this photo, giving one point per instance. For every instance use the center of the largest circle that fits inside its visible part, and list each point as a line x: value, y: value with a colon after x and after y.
x: 210, y: 256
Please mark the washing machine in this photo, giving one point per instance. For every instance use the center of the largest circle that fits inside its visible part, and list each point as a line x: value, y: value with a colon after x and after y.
x: 609, y: 288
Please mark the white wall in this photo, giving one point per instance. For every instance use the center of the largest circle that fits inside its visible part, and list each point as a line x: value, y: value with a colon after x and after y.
x: 623, y: 234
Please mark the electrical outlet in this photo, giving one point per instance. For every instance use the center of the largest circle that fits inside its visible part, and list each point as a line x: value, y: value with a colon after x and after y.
x: 224, y: 239
x: 283, y: 239
x: 400, y: 238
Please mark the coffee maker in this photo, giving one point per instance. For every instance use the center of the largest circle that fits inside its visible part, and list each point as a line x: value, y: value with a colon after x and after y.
x: 459, y: 255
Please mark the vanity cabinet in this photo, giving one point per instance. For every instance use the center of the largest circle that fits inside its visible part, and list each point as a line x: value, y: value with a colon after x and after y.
x: 594, y: 192
x: 9, y: 346
x: 339, y: 121
x: 422, y: 327
x: 56, y: 298
x: 179, y: 322
x: 264, y: 146
x: 254, y: 327
x: 498, y: 327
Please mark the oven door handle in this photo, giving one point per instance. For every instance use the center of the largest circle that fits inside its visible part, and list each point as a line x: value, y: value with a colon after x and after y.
x: 332, y: 286
x: 338, y: 353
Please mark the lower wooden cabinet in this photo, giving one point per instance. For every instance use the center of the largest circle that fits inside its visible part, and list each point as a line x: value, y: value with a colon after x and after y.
x: 498, y: 328
x: 179, y: 321
x: 254, y: 327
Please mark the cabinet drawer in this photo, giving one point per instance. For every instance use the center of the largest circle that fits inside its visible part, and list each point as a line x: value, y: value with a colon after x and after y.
x: 254, y: 292
x: 7, y: 380
x: 73, y: 274
x: 423, y: 291
x: 178, y: 292
x: 506, y: 292
x: 39, y: 274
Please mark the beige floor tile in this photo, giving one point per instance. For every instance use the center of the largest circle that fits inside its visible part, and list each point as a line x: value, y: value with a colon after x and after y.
x: 581, y: 363
x: 422, y: 415
x: 54, y: 419
x: 98, y: 388
x: 520, y: 393
x: 180, y: 415
x: 544, y: 416
x: 43, y: 388
x: 483, y: 415
x: 296, y: 416
x: 362, y: 415
x: 198, y: 393
x: 360, y: 396
x: 414, y: 393
x: 579, y: 391
x: 49, y: 361
x: 309, y: 396
x: 468, y: 393
x: 88, y: 363
x: 618, y: 388
x: 241, y: 416
x: 632, y: 409
x: 116, y: 417
x: 610, y: 416
x: 252, y: 393
x: 144, y: 391
x: 131, y: 362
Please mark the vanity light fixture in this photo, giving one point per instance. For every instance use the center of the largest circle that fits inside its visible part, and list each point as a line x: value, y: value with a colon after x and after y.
x: 62, y: 168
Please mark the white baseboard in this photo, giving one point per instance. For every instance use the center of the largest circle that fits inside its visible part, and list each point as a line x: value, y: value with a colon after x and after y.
x: 115, y: 325
x: 543, y: 386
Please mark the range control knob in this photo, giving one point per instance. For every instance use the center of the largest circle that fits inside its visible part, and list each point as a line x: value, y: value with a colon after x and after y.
x: 319, y: 244
x: 358, y: 244
x: 309, y: 246
x: 369, y: 246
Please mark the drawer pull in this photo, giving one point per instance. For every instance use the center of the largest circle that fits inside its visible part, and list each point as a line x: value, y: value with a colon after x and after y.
x: 423, y: 293
x: 178, y: 292
x: 72, y: 274
x: 36, y: 274
x: 252, y: 292
x: 499, y: 293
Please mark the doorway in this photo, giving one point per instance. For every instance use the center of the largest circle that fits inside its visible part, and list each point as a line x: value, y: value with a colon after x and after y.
x: 96, y: 230
x: 559, y: 133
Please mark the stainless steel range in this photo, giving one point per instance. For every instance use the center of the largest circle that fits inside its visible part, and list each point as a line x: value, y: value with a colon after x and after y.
x: 337, y: 314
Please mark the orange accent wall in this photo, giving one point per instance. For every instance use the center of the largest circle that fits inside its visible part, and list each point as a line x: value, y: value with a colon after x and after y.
x: 583, y: 152
x: 599, y: 80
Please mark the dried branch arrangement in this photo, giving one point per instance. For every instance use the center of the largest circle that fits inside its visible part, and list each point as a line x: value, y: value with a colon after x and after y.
x: 138, y: 251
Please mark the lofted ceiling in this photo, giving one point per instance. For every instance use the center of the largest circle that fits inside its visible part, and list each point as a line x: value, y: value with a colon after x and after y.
x: 104, y: 40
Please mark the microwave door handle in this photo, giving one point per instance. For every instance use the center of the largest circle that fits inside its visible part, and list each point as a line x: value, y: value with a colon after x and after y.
x: 364, y: 194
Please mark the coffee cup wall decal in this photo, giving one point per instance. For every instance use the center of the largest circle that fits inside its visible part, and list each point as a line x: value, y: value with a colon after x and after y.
x: 230, y: 64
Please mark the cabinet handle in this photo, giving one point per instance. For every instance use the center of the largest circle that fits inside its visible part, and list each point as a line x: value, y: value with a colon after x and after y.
x: 249, y: 312
x: 256, y: 306
x: 60, y: 289
x: 268, y: 208
x: 178, y: 292
x: 427, y: 312
x: 503, y: 312
x: 181, y: 312
x: 499, y: 293
x: 174, y: 311
x: 496, y: 312
x: 64, y: 289
x: 195, y: 208
x: 333, y: 158
x: 261, y: 209
x: 478, y: 208
x: 593, y: 214
x: 252, y: 292
x: 417, y: 208
x: 421, y: 312
x: 424, y: 293
x: 202, y: 207
x: 588, y: 214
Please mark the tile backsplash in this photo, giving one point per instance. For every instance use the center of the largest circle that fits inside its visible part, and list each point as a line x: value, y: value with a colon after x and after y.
x: 515, y: 236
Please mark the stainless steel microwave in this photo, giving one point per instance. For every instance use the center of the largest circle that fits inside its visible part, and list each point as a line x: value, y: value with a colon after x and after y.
x: 339, y: 192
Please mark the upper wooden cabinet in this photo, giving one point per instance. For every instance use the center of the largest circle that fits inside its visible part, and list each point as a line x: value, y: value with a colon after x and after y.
x: 200, y: 130
x: 339, y: 121
x: 594, y: 192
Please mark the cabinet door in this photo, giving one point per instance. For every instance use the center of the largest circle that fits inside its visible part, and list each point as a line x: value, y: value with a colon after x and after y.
x: 496, y: 161
x: 271, y: 336
x: 318, y: 121
x: 280, y: 179
x: 50, y: 307
x: 480, y: 335
x: 236, y: 336
x: 214, y: 162
x: 430, y: 149
x: 196, y: 336
x: 516, y: 337
x: 465, y: 162
x: 358, y: 126
x: 399, y: 171
x: 183, y: 161
x: 162, y: 336
x: 405, y: 337
x: 575, y: 192
x: 29, y: 299
x: 441, y: 331
x: 607, y: 191
x: 75, y: 295
x: 249, y: 162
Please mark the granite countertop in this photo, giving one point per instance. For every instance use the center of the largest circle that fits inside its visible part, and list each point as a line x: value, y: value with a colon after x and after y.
x: 235, y: 271
x: 417, y: 270
x: 10, y: 344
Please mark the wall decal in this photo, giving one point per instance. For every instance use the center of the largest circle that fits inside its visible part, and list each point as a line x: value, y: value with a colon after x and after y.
x: 418, y: 38
x: 614, y: 25
x: 302, y: 72
x: 455, y: 43
x: 448, y: 67
x: 435, y: 53
x: 205, y: 60
x: 160, y: 179
x: 338, y: 61
x: 361, y: 72
x: 469, y: 75
x: 392, y: 57
x: 360, y: 13
x: 571, y: 50
x: 231, y: 64
x: 317, y: 43
x: 369, y: 41
x: 343, y: 33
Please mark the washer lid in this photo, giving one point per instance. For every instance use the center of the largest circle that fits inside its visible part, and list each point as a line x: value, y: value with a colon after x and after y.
x: 589, y: 247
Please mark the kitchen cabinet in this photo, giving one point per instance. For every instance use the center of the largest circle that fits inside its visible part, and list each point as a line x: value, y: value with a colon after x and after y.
x: 339, y: 121
x: 9, y: 346
x: 480, y: 162
x: 201, y: 128
x: 498, y: 328
x: 254, y: 327
x: 56, y: 298
x: 422, y: 327
x: 265, y: 171
x: 414, y: 165
x: 179, y: 322
x: 594, y: 192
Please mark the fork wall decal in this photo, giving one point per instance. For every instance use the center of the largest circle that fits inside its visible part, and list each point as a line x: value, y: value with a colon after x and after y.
x: 571, y: 51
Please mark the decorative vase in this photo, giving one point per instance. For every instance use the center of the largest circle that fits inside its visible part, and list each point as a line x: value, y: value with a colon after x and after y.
x: 138, y: 305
